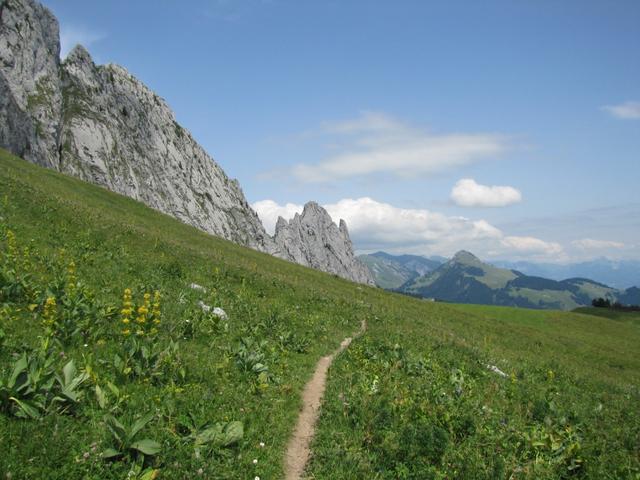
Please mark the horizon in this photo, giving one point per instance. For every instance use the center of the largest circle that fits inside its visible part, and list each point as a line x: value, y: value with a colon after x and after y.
x: 428, y: 128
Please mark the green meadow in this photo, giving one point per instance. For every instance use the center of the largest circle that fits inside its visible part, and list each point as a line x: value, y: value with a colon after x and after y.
x: 112, y: 365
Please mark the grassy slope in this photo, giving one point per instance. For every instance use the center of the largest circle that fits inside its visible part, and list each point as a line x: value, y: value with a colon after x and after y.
x: 620, y: 315
x: 415, y: 399
x: 118, y: 243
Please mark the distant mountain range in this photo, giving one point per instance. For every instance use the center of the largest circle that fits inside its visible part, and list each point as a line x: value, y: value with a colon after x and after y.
x: 393, y: 271
x: 466, y: 279
x: 616, y: 273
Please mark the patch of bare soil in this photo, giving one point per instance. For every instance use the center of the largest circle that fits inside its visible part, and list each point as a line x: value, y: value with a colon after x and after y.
x: 298, y: 451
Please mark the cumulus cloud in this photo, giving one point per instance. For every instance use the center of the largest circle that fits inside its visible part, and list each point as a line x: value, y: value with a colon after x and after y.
x: 468, y: 193
x: 591, y: 244
x: 70, y: 36
x: 532, y: 245
x: 375, y: 143
x: 377, y: 225
x: 269, y: 211
x: 626, y: 110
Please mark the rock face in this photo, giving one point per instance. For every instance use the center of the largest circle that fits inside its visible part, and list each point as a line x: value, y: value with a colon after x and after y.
x: 30, y: 94
x: 102, y: 125
x: 314, y: 240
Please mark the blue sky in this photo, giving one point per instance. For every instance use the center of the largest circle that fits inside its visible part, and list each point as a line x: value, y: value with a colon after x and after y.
x: 401, y: 116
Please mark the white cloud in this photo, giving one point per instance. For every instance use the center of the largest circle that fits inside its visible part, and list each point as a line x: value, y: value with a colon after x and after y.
x: 627, y: 110
x: 375, y: 143
x: 532, y: 245
x: 591, y: 244
x: 70, y: 36
x: 468, y: 193
x: 269, y: 211
x: 376, y: 225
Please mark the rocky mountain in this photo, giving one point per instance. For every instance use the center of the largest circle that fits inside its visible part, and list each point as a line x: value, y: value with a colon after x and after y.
x: 617, y: 273
x: 314, y: 240
x: 392, y: 271
x: 466, y: 279
x: 101, y: 124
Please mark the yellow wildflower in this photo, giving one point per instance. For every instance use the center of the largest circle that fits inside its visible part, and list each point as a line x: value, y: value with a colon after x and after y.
x: 50, y: 310
x: 11, y: 244
x: 71, y: 276
x: 126, y: 332
x: 127, y: 309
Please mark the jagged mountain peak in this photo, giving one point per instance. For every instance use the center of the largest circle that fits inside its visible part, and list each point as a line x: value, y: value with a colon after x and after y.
x: 313, y: 239
x: 79, y: 55
x: 311, y: 208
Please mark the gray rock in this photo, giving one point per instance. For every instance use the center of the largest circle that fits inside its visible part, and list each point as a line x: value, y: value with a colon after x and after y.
x: 220, y: 313
x: 204, y: 307
x: 30, y: 98
x: 195, y: 286
x: 314, y: 240
x: 496, y: 370
x: 102, y: 125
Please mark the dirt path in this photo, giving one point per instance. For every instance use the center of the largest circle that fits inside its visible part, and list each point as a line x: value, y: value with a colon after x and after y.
x: 298, y: 451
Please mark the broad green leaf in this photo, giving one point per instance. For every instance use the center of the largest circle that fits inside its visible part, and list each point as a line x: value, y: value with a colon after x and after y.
x: 211, y: 434
x: 139, y: 425
x: 19, y: 368
x: 69, y: 372
x: 115, y: 390
x: 110, y: 453
x: 233, y: 433
x: 117, y: 429
x: 259, y: 368
x: 26, y: 410
x: 149, y: 474
x: 147, y: 446
x: 221, y: 434
x: 101, y: 397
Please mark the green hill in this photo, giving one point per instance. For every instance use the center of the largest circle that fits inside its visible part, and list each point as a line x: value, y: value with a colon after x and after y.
x: 466, y: 279
x: 90, y: 368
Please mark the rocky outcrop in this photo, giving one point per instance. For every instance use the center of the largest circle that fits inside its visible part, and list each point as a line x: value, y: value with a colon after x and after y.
x: 314, y: 240
x: 102, y: 125
x: 118, y: 133
x: 30, y: 96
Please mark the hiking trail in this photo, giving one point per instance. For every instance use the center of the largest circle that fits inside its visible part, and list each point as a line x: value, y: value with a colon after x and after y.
x: 298, y: 451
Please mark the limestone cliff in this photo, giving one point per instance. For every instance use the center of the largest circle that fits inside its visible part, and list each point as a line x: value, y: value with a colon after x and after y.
x: 101, y: 124
x: 314, y: 240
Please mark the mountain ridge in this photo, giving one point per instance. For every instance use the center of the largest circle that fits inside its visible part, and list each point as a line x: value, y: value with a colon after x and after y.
x: 466, y: 279
x: 101, y: 124
x: 391, y: 271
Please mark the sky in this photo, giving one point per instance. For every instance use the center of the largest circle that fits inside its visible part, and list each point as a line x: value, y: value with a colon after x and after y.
x: 507, y: 128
